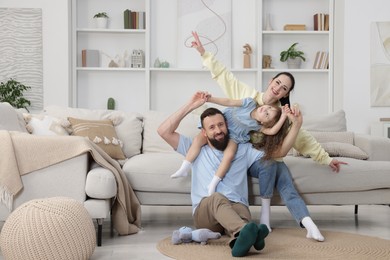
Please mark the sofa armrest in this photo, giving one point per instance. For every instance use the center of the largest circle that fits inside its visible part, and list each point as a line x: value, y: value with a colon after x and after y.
x: 100, y: 183
x: 376, y: 147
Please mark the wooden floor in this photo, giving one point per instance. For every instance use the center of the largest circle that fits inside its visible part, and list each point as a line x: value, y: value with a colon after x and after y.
x: 159, y: 222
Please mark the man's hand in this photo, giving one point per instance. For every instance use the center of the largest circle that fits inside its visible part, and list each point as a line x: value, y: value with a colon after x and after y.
x: 335, y: 165
x: 197, y: 44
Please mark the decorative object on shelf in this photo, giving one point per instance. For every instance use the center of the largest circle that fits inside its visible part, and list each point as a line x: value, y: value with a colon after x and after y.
x: 247, y: 58
x: 293, y: 57
x: 101, y: 20
x: 268, y: 26
x: 295, y: 27
x: 111, y: 103
x: 267, y: 60
x: 157, y: 63
x: 138, y: 59
x: 165, y: 64
x: 11, y: 91
x: 90, y: 58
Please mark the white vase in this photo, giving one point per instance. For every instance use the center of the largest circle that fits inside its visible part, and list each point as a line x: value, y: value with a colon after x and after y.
x: 101, y: 22
x: 268, y: 26
x: 294, y: 63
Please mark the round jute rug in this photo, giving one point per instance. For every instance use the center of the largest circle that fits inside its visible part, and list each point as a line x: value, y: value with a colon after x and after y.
x: 287, y: 244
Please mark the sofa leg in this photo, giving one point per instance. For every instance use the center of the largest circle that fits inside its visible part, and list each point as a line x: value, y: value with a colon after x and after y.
x: 99, y: 231
x: 356, y: 209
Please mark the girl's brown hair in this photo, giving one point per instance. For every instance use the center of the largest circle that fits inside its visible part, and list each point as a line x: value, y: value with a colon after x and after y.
x: 270, y: 143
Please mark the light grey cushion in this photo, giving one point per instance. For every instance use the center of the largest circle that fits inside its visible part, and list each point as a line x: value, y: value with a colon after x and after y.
x: 153, y: 142
x: 344, y: 150
x: 9, y: 119
x: 333, y: 122
x: 338, y: 144
x: 341, y: 137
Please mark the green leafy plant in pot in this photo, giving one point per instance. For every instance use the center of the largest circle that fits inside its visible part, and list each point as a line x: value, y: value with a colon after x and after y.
x: 12, y: 91
x: 293, y: 57
x: 101, y: 20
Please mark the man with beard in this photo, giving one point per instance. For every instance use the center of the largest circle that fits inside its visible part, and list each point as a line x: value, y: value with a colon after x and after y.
x: 227, y: 210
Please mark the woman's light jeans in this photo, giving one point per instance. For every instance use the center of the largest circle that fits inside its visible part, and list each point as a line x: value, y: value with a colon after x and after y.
x: 276, y: 174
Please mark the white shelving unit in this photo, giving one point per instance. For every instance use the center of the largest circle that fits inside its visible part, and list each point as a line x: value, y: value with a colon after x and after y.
x: 166, y: 89
x: 314, y: 87
x: 92, y: 86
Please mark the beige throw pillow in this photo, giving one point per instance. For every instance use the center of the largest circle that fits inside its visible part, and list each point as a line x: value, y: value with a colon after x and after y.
x: 101, y: 132
x: 344, y: 150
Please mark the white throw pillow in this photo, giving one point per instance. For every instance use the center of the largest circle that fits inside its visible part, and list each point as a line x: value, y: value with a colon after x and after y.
x: 45, y: 125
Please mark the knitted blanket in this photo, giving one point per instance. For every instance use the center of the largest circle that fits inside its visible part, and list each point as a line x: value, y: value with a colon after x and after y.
x: 22, y: 153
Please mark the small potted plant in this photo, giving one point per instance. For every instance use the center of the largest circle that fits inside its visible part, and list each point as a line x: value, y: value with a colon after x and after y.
x: 293, y: 57
x: 11, y: 91
x: 101, y: 20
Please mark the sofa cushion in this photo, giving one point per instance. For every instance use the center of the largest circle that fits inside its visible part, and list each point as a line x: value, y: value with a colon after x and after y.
x: 341, y: 137
x: 44, y: 125
x: 101, y: 132
x: 153, y: 142
x: 332, y: 122
x: 151, y: 173
x: 357, y: 175
x: 337, y: 144
x: 10, y: 119
x: 344, y: 150
x: 129, y: 130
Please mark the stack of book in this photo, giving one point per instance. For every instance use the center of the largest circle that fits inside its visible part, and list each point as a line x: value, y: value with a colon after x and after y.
x: 134, y: 20
x: 294, y: 27
x: 321, y: 22
x: 322, y: 60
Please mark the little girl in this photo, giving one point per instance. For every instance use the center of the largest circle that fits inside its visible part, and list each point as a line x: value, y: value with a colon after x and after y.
x: 242, y: 116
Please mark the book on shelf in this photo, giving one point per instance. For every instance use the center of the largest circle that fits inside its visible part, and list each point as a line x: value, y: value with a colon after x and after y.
x: 134, y: 20
x: 321, y: 60
x: 321, y: 22
x: 90, y: 58
x: 295, y: 27
x: 126, y: 15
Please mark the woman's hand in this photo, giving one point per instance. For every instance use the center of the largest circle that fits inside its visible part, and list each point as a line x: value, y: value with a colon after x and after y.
x: 197, y: 44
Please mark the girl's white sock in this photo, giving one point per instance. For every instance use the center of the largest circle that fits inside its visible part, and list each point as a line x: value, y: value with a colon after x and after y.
x: 183, y: 171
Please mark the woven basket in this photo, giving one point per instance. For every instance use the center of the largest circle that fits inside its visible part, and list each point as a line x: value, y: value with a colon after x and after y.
x: 52, y: 228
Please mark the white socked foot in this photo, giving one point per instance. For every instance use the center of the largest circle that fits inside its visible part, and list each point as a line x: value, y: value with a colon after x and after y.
x: 265, y: 213
x: 312, y: 230
x: 183, y: 170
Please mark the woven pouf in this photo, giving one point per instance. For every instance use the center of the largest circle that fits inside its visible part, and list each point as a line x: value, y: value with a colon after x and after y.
x: 52, y: 228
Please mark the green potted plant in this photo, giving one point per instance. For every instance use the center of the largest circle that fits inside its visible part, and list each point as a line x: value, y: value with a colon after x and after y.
x: 293, y: 57
x: 11, y: 91
x: 101, y: 20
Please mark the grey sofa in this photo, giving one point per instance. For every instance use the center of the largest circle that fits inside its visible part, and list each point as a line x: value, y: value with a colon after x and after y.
x: 360, y: 182
x: 150, y: 161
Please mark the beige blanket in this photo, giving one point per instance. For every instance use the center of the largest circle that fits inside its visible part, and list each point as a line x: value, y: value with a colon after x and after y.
x: 22, y: 153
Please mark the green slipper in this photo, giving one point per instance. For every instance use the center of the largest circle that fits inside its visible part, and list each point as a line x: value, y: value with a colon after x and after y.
x: 246, y: 238
x: 261, y: 235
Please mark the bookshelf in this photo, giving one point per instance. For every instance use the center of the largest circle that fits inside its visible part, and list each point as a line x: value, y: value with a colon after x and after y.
x: 314, y: 87
x: 92, y: 86
x: 165, y: 89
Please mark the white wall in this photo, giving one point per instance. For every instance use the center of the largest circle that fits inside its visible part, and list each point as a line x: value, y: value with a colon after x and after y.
x: 56, y: 47
x: 352, y: 42
x: 356, y: 84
